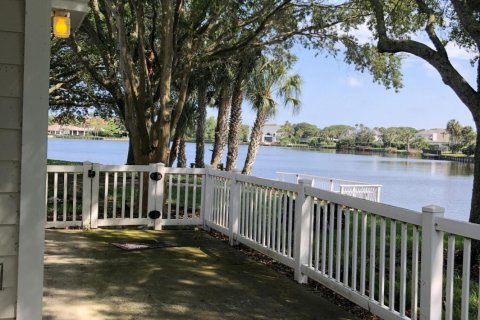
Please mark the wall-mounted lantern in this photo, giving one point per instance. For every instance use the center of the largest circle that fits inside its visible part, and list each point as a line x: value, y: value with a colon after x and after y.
x: 61, y: 24
x: 67, y: 15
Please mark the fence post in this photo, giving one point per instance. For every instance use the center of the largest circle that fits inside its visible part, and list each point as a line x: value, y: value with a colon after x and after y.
x: 378, y: 194
x: 151, y: 193
x: 159, y: 192
x: 302, y: 229
x: 86, y: 195
x: 432, y: 265
x: 94, y: 202
x: 234, y: 205
x: 208, y: 194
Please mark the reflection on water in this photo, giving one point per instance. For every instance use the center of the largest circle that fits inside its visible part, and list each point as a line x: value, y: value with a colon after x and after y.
x: 434, y: 167
x: 407, y: 182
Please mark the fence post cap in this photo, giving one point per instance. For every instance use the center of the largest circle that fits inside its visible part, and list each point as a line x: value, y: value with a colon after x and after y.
x: 307, y: 182
x: 433, y: 209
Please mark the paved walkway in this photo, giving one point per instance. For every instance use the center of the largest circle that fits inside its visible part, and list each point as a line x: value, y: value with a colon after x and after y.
x: 86, y: 278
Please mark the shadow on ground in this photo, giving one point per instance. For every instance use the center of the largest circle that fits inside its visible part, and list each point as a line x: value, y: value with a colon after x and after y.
x: 86, y: 278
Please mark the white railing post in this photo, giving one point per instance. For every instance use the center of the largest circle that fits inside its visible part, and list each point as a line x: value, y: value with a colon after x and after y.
x: 302, y: 229
x: 378, y: 193
x: 202, y: 200
x: 234, y: 208
x: 151, y: 193
x: 208, y: 194
x: 159, y: 192
x: 94, y: 202
x: 432, y: 265
x: 86, y: 195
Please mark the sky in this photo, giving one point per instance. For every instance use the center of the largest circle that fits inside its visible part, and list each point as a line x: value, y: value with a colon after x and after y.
x: 335, y: 93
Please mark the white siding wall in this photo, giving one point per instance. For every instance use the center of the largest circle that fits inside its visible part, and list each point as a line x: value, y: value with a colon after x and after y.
x: 11, y: 79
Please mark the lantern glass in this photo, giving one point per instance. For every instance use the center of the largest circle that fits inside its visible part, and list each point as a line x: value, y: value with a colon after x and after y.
x: 61, y: 26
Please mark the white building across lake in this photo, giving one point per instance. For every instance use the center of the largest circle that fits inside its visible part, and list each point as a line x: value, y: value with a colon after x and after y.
x: 270, y: 133
x: 435, y: 136
x: 57, y: 129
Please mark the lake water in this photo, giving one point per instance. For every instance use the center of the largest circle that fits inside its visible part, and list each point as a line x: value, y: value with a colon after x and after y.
x: 409, y: 183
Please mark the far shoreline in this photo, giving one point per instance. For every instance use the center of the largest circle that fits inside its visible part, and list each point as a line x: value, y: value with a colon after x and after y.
x: 362, y: 151
x: 412, y: 153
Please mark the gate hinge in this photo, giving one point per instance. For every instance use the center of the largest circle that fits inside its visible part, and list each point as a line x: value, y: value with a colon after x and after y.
x: 91, y: 173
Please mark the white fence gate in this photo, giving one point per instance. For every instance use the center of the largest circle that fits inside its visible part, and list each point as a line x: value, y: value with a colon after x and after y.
x: 94, y: 195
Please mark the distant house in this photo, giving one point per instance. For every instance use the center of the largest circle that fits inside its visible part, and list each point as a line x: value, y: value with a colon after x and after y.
x: 270, y: 133
x: 57, y: 129
x: 435, y: 136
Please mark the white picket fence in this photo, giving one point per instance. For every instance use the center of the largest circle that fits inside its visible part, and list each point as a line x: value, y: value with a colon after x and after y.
x: 349, y: 187
x: 386, y: 259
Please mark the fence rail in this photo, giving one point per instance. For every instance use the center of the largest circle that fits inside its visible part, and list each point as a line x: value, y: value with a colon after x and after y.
x: 386, y: 259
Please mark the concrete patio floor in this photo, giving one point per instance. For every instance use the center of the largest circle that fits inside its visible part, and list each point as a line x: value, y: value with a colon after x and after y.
x: 204, y: 278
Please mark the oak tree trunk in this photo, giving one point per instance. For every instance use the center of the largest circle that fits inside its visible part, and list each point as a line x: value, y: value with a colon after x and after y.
x: 475, y: 205
x: 182, y: 155
x: 130, y: 157
x: 174, y: 149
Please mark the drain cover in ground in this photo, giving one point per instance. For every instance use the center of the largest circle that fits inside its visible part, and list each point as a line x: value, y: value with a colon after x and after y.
x: 142, y: 245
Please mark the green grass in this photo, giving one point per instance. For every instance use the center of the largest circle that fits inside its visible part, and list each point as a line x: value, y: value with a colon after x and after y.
x: 450, y: 154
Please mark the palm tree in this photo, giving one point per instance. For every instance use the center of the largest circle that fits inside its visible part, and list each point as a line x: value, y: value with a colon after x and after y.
x: 202, y: 91
x: 455, y: 130
x: 270, y: 82
x: 222, y: 124
x: 223, y: 81
x: 242, y: 70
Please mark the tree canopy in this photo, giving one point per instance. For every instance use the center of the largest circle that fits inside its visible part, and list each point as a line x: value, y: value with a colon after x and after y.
x: 141, y: 60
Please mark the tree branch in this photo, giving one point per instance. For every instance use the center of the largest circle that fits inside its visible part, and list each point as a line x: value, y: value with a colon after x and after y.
x: 440, y: 62
x: 430, y: 28
x: 244, y: 42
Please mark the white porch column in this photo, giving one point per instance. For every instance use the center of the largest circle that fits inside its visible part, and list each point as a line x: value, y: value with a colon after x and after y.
x: 33, y: 159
